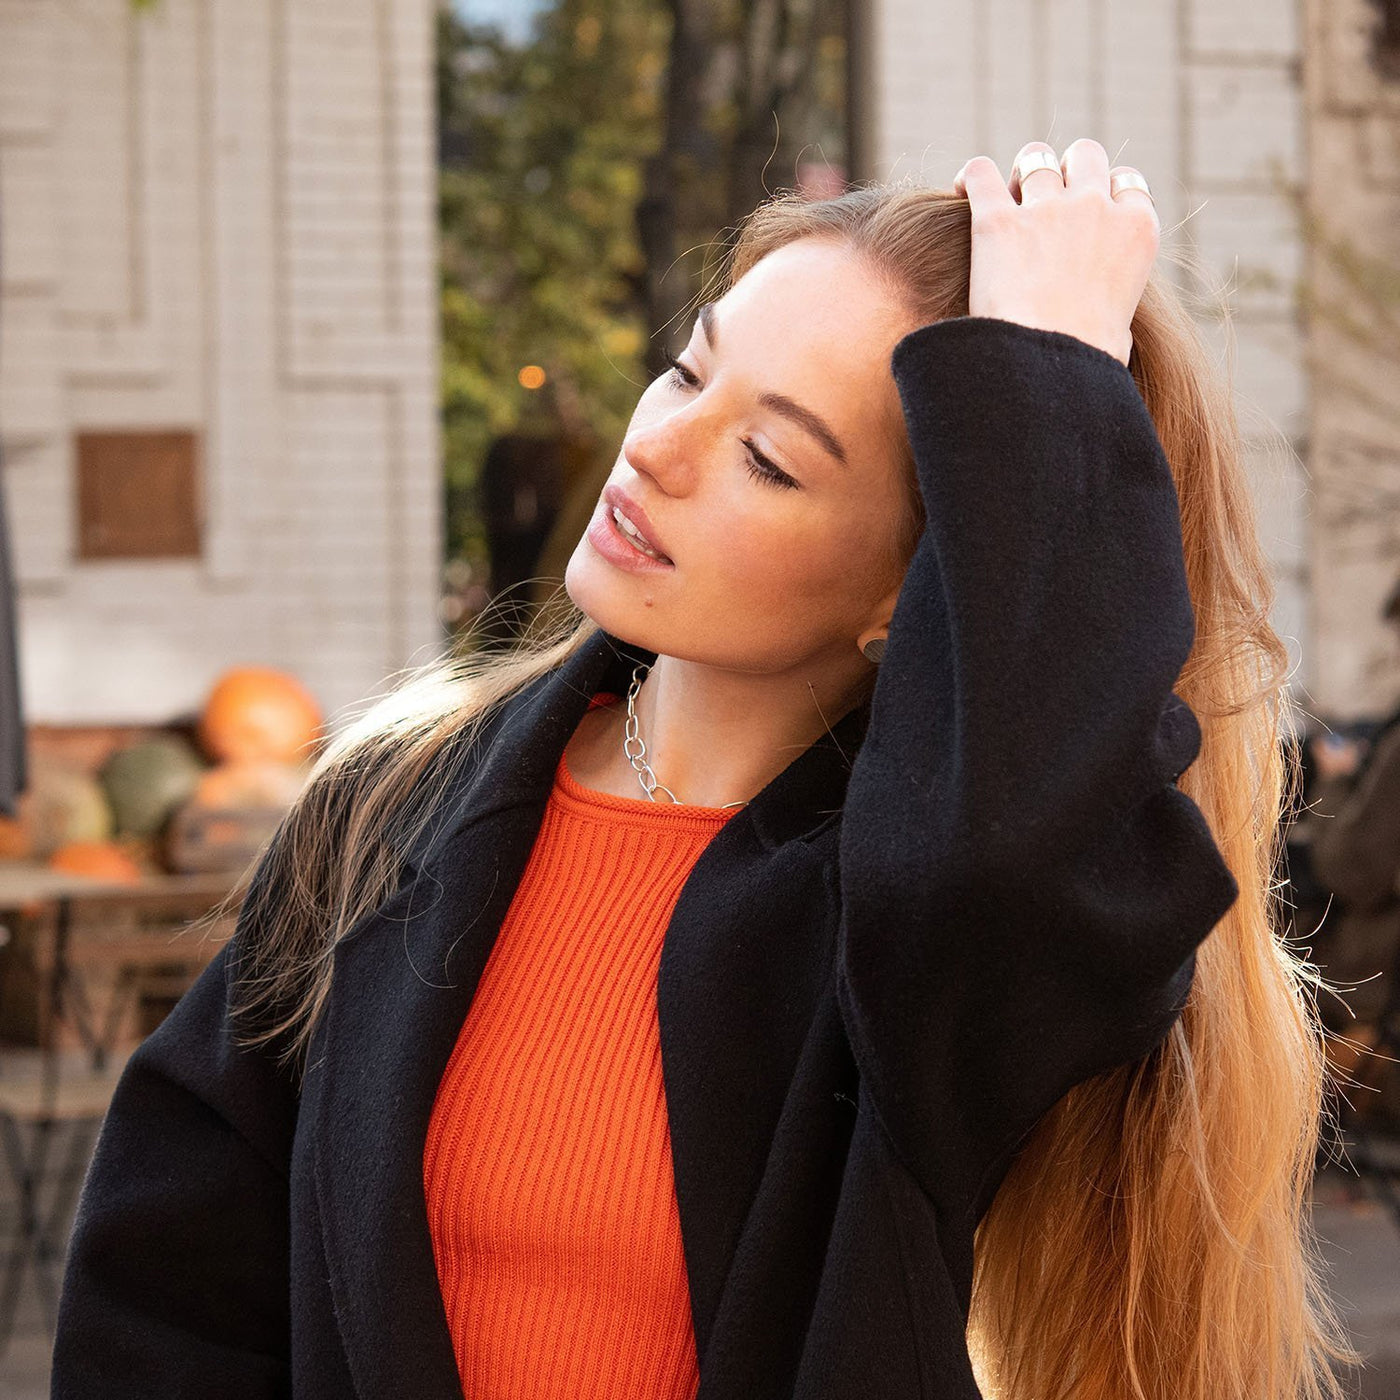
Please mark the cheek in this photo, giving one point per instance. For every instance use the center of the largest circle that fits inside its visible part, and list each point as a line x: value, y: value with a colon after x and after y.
x: 789, y: 556
x: 842, y: 562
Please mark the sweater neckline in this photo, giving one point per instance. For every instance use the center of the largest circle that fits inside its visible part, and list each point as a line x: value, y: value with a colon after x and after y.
x: 663, y: 811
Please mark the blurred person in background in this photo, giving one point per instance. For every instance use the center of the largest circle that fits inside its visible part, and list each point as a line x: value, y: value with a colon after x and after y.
x: 521, y: 495
x: 1350, y: 825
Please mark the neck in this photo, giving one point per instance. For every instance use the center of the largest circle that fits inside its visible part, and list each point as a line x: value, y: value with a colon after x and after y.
x: 714, y: 736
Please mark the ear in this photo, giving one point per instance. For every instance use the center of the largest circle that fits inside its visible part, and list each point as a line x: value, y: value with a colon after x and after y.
x: 882, y: 611
x: 877, y: 623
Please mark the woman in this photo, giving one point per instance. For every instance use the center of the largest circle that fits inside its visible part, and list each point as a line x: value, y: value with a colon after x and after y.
x: 840, y: 964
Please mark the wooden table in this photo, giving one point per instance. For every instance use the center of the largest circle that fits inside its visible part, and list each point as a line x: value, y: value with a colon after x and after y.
x: 71, y: 941
x: 87, y: 968
x: 31, y: 881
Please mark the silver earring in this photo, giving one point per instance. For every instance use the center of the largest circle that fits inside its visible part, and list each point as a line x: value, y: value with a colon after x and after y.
x: 874, y: 649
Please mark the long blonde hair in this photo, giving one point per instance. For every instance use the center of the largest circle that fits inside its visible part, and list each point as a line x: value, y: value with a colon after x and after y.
x: 1153, y: 1238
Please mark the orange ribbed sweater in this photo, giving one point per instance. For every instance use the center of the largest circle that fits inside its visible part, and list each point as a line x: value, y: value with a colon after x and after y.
x: 547, y: 1163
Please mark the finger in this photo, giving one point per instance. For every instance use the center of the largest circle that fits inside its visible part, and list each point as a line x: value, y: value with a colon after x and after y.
x: 1128, y: 197
x: 1038, y: 184
x: 984, y: 187
x: 1085, y: 165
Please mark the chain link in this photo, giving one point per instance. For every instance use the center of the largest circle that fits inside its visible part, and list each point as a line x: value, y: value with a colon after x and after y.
x: 638, y: 757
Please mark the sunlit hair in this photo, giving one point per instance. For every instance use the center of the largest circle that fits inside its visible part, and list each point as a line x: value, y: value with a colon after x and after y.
x: 1153, y: 1239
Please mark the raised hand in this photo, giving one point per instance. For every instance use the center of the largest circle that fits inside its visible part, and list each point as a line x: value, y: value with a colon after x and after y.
x: 1057, y: 248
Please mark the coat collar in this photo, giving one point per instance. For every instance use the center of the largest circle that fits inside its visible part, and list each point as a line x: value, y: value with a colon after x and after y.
x: 405, y: 976
x: 524, y: 743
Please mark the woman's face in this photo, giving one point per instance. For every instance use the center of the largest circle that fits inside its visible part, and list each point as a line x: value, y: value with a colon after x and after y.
x: 769, y: 568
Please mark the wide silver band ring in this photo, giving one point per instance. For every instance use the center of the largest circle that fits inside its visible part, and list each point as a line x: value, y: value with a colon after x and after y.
x: 1119, y: 181
x: 1127, y: 179
x: 1032, y: 161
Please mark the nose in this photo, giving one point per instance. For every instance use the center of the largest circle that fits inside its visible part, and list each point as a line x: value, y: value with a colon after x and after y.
x: 665, y: 450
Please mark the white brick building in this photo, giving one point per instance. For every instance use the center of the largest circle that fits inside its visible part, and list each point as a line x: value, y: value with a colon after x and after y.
x: 1205, y: 97
x: 217, y: 224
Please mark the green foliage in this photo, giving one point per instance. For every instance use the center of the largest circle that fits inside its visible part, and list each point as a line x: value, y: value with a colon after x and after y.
x: 542, y: 147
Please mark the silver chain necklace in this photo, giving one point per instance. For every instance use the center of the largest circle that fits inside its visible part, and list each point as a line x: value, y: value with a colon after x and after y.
x: 638, y: 758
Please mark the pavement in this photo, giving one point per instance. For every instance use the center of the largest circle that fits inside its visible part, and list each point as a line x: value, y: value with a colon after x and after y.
x: 1356, y: 1216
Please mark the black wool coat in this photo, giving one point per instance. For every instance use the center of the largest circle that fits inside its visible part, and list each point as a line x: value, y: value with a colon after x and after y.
x: 981, y: 889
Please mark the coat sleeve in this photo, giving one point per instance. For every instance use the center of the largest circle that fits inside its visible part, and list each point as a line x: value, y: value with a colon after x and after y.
x: 1023, y: 886
x: 176, y: 1279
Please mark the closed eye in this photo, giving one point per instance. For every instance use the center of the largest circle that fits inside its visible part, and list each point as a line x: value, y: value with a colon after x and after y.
x: 759, y: 466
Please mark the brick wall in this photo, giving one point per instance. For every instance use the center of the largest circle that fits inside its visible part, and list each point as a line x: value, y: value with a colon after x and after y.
x: 1206, y: 99
x: 1354, y: 195
x: 219, y: 214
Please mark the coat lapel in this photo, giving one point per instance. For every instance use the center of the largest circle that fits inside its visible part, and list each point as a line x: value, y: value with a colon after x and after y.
x: 404, y: 980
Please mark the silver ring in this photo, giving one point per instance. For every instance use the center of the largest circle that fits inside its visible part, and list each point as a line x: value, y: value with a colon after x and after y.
x: 1127, y: 180
x: 1037, y: 160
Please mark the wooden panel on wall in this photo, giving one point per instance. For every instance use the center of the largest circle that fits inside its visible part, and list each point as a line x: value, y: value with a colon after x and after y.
x: 137, y: 495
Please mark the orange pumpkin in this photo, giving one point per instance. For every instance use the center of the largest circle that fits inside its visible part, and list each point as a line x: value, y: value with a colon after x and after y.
x: 257, y: 712
x: 102, y: 860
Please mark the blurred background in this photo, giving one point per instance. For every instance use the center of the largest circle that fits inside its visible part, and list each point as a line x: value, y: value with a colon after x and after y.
x: 320, y: 327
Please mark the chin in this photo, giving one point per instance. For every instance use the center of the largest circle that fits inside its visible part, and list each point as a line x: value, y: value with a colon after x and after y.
x: 626, y: 608
x: 579, y: 581
x: 593, y: 592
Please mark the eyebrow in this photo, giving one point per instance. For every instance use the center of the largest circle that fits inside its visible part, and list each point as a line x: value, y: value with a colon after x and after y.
x: 780, y: 403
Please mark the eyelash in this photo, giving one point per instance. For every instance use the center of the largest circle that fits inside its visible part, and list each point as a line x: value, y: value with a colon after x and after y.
x: 759, y: 465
